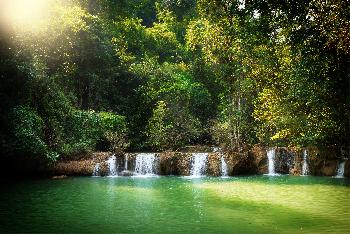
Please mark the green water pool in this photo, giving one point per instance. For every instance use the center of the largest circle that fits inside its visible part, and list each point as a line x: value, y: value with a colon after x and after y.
x: 256, y: 204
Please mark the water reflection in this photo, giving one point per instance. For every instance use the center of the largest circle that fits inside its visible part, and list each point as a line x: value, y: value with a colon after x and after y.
x: 173, y: 204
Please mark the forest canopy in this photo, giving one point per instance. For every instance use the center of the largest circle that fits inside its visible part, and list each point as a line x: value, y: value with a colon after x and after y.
x: 86, y: 75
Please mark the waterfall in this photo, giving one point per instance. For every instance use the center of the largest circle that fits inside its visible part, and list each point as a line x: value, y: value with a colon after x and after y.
x: 223, y: 167
x: 97, y: 170
x: 271, y: 163
x: 215, y: 149
x: 340, y: 169
x: 126, y: 162
x: 305, y: 167
x: 145, y: 163
x: 112, y: 166
x: 199, y: 163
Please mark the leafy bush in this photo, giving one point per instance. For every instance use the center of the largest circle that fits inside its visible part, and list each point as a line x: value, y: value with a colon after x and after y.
x: 115, y: 131
x: 112, y: 122
x: 26, y: 136
x: 118, y: 141
x: 81, y: 132
x: 157, y: 129
x: 171, y: 127
x: 221, y: 133
x: 85, y: 129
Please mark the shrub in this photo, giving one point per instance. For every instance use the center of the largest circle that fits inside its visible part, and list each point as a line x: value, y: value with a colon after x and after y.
x: 171, y: 127
x: 85, y: 129
x: 26, y: 136
x: 115, y: 131
x: 118, y: 141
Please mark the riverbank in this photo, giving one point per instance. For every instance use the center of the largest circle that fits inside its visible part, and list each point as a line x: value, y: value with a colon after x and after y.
x: 211, y: 162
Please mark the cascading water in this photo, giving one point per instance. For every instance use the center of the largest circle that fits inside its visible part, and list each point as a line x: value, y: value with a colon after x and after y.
x: 340, y: 169
x: 126, y: 162
x: 223, y: 167
x: 216, y: 149
x: 305, y: 167
x: 112, y: 166
x: 199, y: 164
x: 271, y: 163
x: 97, y: 170
x: 145, y: 163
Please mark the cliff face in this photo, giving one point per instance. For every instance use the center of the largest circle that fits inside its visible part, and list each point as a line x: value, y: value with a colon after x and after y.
x: 312, y: 161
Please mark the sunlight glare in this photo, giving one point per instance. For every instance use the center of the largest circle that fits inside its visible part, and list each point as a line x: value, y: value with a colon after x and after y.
x: 25, y: 13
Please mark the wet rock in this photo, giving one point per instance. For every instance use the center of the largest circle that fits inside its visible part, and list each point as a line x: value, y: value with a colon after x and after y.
x: 214, y: 164
x: 321, y: 161
x: 329, y: 168
x: 184, y: 163
x: 59, y: 177
x: 259, y: 157
x: 126, y: 173
x: 347, y: 169
x: 168, y: 163
x: 241, y: 163
x: 83, y: 167
x: 284, y: 160
x: 296, y: 168
x: 196, y: 149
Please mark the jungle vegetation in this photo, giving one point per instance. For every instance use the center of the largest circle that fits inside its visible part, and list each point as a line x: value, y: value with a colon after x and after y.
x: 86, y: 75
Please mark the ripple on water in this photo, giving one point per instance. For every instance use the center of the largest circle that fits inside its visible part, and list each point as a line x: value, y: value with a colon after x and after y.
x: 250, y: 204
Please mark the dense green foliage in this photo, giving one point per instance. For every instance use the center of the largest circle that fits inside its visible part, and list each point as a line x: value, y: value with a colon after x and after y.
x: 160, y: 74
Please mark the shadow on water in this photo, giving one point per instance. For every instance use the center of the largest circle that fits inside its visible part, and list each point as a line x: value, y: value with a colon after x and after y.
x: 159, y: 205
x: 294, y: 180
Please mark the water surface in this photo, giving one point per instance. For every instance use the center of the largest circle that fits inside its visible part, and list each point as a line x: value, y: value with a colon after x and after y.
x: 257, y: 204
